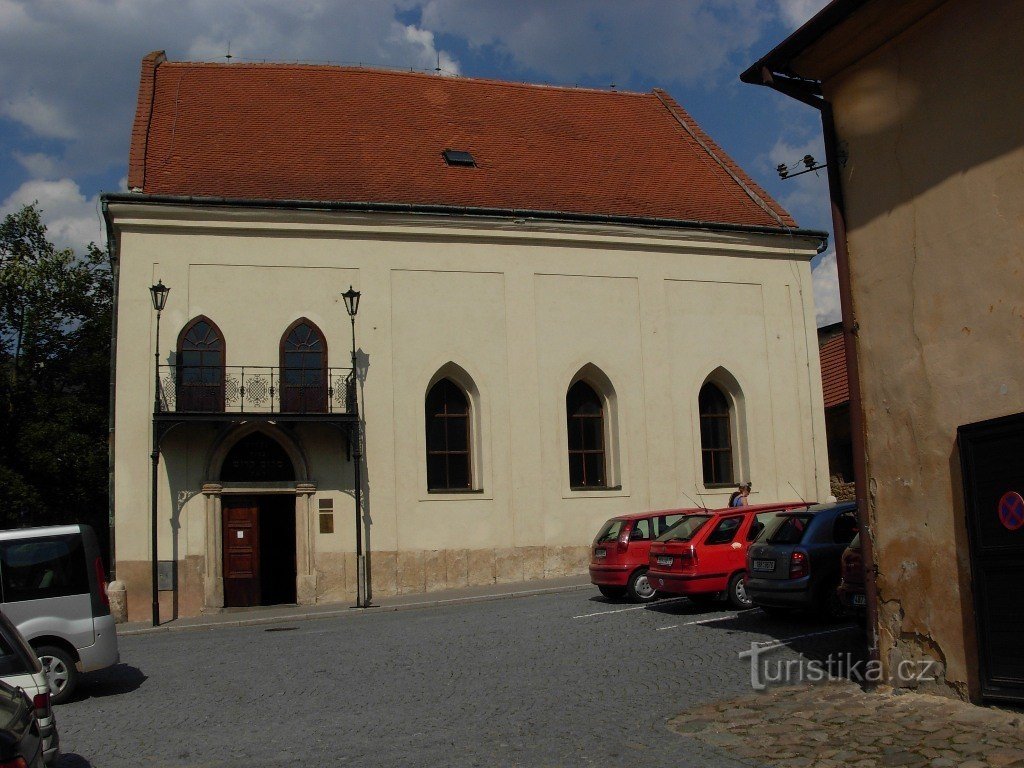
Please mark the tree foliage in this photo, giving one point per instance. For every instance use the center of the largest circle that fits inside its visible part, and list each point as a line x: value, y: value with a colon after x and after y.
x: 55, y: 315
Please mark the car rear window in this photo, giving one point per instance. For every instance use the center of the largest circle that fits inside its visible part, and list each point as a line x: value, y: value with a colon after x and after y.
x: 48, y: 566
x: 725, y: 531
x: 685, y: 529
x: 664, y: 522
x: 760, y: 521
x: 786, y: 529
x: 610, y: 532
x: 15, y: 659
x: 844, y: 529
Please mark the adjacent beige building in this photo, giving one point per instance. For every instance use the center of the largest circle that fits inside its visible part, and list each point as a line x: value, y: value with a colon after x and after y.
x: 544, y: 327
x: 927, y: 102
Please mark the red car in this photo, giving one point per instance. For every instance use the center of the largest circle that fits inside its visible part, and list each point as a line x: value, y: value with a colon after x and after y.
x: 618, y: 559
x: 705, y: 554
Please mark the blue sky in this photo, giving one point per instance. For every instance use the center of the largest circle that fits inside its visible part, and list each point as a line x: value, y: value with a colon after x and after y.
x: 69, y: 76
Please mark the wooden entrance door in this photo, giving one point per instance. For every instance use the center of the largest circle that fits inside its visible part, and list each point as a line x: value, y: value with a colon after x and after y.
x: 993, y: 475
x: 241, y: 534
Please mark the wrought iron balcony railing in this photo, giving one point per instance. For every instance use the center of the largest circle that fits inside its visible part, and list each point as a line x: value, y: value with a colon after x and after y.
x: 255, y: 389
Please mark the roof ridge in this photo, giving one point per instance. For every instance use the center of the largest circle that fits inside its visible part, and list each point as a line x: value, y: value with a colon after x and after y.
x: 753, y: 190
x: 403, y: 73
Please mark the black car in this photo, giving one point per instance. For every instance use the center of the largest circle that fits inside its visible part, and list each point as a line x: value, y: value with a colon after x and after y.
x: 795, y: 561
x: 20, y: 742
x: 852, y: 593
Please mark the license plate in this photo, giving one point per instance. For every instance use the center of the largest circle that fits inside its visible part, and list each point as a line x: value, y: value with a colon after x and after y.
x: 764, y: 565
x: 860, y: 600
x: 600, y: 553
x: 664, y: 560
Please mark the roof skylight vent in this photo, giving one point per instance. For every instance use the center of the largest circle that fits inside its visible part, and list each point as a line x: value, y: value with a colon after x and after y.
x: 459, y: 157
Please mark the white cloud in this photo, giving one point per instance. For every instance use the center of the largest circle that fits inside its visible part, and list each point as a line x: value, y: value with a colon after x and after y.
x: 44, y: 117
x: 425, y: 39
x: 795, y: 13
x: 38, y: 164
x: 69, y: 68
x: 689, y: 42
x: 825, y: 277
x: 72, y: 220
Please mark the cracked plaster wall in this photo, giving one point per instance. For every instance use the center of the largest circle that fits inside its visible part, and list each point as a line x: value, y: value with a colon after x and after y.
x: 934, y: 185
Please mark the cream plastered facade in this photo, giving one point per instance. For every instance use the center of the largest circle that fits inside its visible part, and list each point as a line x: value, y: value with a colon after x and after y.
x: 514, y: 311
x: 931, y: 124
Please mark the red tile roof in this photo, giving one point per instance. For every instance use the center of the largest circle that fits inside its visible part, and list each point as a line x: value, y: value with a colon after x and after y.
x: 834, y: 380
x: 325, y: 133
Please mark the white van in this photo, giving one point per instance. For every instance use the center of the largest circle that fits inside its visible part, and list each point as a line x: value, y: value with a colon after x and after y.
x: 53, y: 589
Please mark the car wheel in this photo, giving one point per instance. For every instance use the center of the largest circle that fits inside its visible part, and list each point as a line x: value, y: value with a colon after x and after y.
x: 612, y: 593
x: 738, y: 597
x: 61, y: 672
x: 639, y: 588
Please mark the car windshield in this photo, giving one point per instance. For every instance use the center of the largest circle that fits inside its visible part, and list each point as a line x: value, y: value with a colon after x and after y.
x: 685, y: 528
x: 610, y: 532
x: 786, y: 529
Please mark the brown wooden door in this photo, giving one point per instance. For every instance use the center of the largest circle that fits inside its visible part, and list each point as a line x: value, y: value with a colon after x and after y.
x: 993, y: 480
x: 241, y: 534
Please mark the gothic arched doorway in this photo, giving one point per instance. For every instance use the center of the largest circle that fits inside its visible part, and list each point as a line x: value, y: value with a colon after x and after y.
x: 258, y: 529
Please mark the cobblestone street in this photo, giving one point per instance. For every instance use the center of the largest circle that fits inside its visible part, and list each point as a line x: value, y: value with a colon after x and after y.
x: 827, y: 726
x: 563, y: 679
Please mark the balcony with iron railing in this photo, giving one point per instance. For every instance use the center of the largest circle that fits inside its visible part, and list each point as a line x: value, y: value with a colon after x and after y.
x: 254, y: 391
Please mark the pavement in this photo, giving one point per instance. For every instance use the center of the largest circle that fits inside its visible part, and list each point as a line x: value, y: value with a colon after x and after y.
x: 242, y: 617
x: 542, y: 674
x: 839, y: 724
x: 562, y: 677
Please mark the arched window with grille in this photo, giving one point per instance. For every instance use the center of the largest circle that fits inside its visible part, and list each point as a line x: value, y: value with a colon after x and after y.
x: 448, y: 438
x: 716, y: 435
x: 200, y: 367
x: 585, y: 417
x: 303, y: 369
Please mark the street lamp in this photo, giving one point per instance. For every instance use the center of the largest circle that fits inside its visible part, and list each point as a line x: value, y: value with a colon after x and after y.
x: 351, y: 297
x: 158, y: 293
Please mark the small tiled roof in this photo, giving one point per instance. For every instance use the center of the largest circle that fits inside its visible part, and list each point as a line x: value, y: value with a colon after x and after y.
x: 834, y: 380
x: 346, y: 134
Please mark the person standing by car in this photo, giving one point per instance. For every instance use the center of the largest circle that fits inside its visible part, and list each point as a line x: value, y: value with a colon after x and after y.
x: 740, y: 496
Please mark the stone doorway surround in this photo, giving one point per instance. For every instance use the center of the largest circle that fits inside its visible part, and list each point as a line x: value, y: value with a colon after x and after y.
x: 305, y: 587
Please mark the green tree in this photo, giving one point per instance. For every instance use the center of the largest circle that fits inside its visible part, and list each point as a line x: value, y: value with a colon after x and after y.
x: 55, y: 314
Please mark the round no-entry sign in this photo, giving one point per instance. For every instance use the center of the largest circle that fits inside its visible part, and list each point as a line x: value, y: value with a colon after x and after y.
x: 1011, y: 510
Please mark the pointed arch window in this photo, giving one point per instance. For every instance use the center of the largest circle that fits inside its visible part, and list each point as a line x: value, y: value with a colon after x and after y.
x: 448, y: 438
x: 200, y: 368
x: 715, y: 435
x: 585, y: 414
x: 303, y: 369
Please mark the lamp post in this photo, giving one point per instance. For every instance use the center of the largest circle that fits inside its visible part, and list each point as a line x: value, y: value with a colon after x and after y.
x: 351, y: 297
x: 158, y: 293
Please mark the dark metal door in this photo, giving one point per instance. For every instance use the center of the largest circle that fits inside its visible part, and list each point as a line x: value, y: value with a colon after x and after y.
x: 992, y: 459
x: 241, y: 534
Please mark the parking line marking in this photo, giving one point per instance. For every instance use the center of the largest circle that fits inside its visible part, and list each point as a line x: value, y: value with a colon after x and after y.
x: 700, y: 621
x: 785, y: 640
x: 631, y: 608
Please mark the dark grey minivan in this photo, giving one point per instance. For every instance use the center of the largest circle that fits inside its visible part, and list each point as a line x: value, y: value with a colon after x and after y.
x: 795, y: 561
x: 54, y: 591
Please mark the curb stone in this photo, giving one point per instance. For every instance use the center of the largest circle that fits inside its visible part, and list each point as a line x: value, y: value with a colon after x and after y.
x: 352, y: 612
